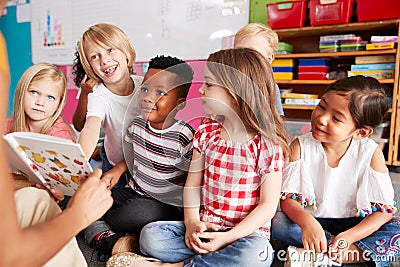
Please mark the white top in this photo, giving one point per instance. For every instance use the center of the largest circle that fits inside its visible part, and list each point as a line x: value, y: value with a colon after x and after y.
x: 112, y: 109
x: 342, y: 191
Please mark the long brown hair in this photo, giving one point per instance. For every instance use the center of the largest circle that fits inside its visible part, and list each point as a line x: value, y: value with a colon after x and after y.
x: 249, y: 79
x: 34, y: 74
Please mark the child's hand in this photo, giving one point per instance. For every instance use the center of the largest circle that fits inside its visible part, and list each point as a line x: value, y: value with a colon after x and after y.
x: 313, y: 237
x: 111, y: 177
x: 87, y: 85
x: 54, y: 193
x: 340, y: 244
x: 96, y: 153
x: 215, y: 241
x: 91, y: 200
x: 193, y: 228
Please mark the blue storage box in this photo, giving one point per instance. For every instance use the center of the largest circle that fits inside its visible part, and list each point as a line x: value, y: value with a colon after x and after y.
x: 314, y: 62
x: 282, y: 69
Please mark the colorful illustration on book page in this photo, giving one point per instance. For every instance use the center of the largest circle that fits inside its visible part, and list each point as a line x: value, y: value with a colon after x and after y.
x: 61, y: 170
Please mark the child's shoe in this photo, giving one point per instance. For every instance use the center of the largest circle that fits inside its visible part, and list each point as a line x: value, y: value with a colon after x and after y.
x: 125, y: 259
x: 103, y: 244
x: 127, y: 243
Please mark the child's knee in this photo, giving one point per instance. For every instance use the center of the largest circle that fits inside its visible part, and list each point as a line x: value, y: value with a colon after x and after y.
x: 150, y: 236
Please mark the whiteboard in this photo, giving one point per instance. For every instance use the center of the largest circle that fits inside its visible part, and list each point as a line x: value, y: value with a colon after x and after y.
x: 188, y: 29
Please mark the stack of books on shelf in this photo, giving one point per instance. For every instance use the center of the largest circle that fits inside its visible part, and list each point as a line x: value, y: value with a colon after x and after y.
x: 382, y: 42
x: 341, y: 43
x: 297, y: 99
x: 379, y: 67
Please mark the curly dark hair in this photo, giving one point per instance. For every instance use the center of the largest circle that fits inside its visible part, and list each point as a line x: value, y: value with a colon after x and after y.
x: 77, y: 70
x: 175, y: 65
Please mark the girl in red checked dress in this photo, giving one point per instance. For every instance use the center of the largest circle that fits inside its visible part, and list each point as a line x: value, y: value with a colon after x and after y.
x: 232, y: 190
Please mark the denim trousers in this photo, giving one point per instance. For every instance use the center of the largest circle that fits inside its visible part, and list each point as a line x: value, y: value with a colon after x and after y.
x: 166, y: 241
x: 382, y: 246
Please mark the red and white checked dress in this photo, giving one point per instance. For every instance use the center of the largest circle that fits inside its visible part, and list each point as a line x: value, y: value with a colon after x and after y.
x: 233, y: 173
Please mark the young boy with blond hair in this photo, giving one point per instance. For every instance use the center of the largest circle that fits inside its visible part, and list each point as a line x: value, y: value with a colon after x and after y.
x: 264, y: 40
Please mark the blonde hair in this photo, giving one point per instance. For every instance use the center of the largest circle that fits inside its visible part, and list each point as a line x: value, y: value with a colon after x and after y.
x: 109, y: 35
x: 249, y: 79
x: 252, y: 29
x: 34, y: 74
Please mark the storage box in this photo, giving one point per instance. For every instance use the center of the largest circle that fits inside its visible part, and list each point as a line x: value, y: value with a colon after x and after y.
x: 283, y: 62
x: 295, y: 128
x: 283, y: 75
x: 314, y: 62
x: 290, y: 14
x: 368, y: 10
x: 284, y: 48
x: 282, y: 69
x: 323, y: 12
x: 313, y: 69
x: 312, y: 75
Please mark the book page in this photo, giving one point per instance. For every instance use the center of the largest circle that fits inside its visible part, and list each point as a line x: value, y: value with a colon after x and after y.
x: 59, y: 161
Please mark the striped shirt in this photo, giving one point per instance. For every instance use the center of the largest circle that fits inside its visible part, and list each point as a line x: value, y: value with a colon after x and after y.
x: 161, y: 159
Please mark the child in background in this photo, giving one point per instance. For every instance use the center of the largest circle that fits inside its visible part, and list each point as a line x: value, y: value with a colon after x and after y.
x: 85, y: 86
x: 337, y: 195
x: 162, y: 149
x: 234, y: 180
x: 107, y: 57
x: 38, y: 102
x: 261, y: 38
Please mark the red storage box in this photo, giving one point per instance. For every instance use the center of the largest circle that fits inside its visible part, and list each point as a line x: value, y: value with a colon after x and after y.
x: 323, y: 12
x: 290, y: 14
x: 311, y: 76
x: 378, y: 9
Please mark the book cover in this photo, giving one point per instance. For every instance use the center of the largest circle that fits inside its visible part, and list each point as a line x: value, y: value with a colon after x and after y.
x: 299, y: 95
x: 301, y: 102
x: 49, y: 160
x: 380, y: 66
x: 375, y: 59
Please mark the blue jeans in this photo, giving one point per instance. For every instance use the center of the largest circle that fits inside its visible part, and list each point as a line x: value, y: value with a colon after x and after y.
x: 382, y: 246
x: 166, y: 241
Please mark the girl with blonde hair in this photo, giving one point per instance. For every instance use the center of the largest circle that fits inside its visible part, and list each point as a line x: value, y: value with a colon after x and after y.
x: 38, y: 102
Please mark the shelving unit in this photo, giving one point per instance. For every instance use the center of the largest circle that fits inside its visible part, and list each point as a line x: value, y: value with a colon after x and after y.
x: 306, y: 45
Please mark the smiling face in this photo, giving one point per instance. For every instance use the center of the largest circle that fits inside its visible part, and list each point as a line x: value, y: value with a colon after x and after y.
x: 159, y: 98
x: 42, y: 100
x: 331, y: 121
x: 108, y: 63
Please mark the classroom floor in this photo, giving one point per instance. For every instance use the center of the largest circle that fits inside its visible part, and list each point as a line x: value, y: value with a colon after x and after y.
x: 91, y: 256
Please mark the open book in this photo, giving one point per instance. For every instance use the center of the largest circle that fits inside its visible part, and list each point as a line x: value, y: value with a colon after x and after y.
x: 48, y: 160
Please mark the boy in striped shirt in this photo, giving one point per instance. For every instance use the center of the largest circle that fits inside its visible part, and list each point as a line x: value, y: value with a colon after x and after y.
x: 162, y: 151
